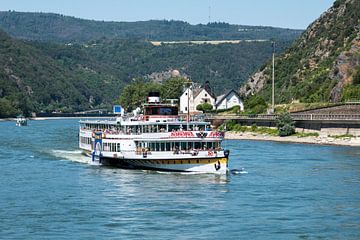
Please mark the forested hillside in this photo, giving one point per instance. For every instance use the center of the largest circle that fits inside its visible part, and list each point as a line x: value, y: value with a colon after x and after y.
x: 323, y: 65
x: 38, y: 76
x: 59, y: 28
x: 31, y: 80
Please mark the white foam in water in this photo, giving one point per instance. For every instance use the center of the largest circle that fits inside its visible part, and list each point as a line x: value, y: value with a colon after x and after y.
x: 238, y: 171
x: 75, y: 156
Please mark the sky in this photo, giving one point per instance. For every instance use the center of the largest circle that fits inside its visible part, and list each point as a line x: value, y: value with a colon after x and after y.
x: 296, y: 14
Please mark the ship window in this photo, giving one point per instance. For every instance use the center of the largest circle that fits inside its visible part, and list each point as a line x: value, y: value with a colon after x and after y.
x: 183, y: 146
x: 118, y: 147
x: 167, y: 146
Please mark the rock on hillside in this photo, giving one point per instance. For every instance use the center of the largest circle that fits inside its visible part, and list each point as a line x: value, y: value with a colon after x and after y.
x: 320, y: 64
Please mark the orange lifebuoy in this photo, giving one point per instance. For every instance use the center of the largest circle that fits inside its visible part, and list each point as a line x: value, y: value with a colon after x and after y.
x: 210, y: 153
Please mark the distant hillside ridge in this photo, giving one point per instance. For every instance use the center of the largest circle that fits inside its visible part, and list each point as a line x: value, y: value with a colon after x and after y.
x: 65, y: 29
x: 46, y: 77
x: 322, y: 65
x: 33, y: 81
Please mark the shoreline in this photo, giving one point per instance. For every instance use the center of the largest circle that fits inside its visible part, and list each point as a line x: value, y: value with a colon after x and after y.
x: 321, y: 140
x: 48, y: 118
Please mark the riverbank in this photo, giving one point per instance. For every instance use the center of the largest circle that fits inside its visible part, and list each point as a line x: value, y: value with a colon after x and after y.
x: 323, y: 140
x: 54, y: 118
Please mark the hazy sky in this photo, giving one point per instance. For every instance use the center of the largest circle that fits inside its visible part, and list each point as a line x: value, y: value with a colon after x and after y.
x: 280, y: 13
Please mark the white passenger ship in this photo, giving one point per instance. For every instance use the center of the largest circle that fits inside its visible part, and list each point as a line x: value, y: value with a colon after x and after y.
x: 157, y: 140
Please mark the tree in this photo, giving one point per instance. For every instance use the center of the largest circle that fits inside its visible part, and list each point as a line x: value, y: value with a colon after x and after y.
x: 7, y: 108
x: 134, y: 94
x: 173, y: 88
x: 285, y: 124
x: 255, y: 105
x: 205, y: 107
x: 356, y: 77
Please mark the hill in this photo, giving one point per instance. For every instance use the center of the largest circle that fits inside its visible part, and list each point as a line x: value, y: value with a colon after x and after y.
x: 65, y: 29
x: 31, y: 80
x: 322, y: 65
x: 41, y: 76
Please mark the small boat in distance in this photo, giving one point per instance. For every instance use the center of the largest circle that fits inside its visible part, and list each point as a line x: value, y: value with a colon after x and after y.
x: 21, y: 121
x: 159, y: 139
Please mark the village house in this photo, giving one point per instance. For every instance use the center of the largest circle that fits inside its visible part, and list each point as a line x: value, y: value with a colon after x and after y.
x: 194, y: 96
x: 229, y: 100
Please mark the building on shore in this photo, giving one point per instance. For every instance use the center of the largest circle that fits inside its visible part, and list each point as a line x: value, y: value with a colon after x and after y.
x: 194, y: 96
x: 229, y: 100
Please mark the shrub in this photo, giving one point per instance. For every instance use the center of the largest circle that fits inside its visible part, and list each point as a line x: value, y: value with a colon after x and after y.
x: 205, y: 107
x: 356, y: 77
x: 285, y: 124
x: 310, y: 134
x: 255, y: 105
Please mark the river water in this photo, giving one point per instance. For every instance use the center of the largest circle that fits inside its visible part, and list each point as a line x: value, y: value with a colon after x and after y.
x: 285, y: 191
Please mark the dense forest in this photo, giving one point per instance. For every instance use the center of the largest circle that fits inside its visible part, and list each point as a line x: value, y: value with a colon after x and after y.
x: 65, y: 29
x: 322, y: 65
x: 30, y: 80
x: 40, y: 76
x: 50, y: 62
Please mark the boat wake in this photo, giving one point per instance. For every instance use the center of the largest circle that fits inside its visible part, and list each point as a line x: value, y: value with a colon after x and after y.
x: 75, y: 156
x: 238, y: 171
x: 182, y: 173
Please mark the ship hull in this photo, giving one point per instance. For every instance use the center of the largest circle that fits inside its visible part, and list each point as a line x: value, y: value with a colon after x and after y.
x: 201, y: 165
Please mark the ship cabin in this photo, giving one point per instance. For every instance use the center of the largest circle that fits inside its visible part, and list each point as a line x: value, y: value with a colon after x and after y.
x: 158, y: 129
x: 140, y: 127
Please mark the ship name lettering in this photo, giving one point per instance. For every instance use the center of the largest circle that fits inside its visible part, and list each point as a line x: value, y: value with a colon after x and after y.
x: 182, y: 134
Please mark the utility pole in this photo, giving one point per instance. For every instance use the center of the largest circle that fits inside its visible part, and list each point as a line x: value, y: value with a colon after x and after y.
x: 209, y: 12
x: 273, y: 79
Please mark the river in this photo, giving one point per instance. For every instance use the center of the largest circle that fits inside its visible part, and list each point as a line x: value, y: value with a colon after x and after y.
x: 285, y: 191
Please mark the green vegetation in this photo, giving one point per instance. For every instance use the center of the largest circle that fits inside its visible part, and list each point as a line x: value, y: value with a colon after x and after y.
x: 59, y: 28
x: 342, y: 136
x: 231, y: 125
x: 49, y: 77
x: 255, y: 104
x: 307, y: 71
x: 8, y: 108
x: 309, y: 134
x: 205, y: 107
x: 351, y: 92
x: 31, y: 80
x: 356, y: 77
x: 134, y: 94
x: 285, y: 124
